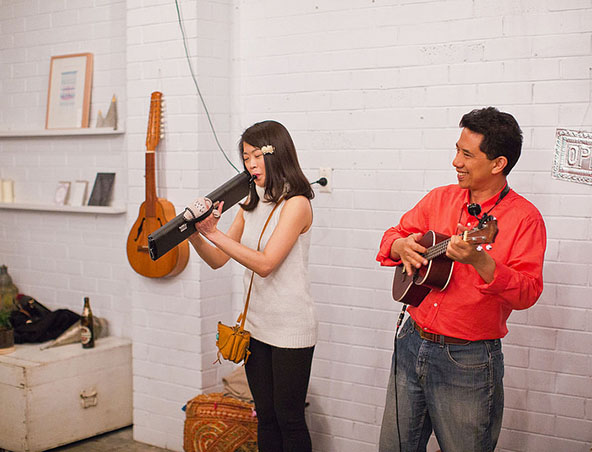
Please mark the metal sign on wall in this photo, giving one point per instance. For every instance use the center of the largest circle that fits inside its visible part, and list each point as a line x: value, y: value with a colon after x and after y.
x: 573, y: 156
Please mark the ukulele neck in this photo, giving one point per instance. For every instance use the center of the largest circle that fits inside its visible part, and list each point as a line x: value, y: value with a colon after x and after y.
x: 437, y: 250
x: 150, y: 184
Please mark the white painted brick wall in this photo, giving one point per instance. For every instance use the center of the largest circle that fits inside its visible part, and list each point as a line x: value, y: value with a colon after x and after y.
x: 373, y: 90
x: 61, y: 257
x: 376, y: 92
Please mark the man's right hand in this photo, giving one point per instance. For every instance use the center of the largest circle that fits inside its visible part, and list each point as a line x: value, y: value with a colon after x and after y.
x: 408, y: 251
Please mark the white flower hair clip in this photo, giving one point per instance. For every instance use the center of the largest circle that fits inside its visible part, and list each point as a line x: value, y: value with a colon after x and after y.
x: 268, y: 149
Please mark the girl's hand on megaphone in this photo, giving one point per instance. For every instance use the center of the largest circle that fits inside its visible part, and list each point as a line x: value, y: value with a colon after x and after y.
x: 210, y: 223
x: 198, y: 208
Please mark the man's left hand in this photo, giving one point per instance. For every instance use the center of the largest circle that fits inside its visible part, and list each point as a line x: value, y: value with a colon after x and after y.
x: 461, y: 251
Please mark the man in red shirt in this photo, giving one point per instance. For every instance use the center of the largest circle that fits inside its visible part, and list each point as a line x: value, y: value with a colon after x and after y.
x: 448, y: 378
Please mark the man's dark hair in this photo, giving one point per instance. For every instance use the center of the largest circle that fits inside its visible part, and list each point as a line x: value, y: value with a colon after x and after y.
x: 501, y: 134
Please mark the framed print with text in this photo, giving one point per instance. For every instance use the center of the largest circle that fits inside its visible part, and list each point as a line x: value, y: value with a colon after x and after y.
x: 68, y: 96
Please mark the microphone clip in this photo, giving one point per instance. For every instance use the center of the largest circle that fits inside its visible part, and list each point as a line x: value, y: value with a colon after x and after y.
x: 475, y: 209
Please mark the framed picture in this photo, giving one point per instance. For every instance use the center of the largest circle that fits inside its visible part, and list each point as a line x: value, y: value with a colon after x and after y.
x: 68, y: 95
x: 78, y: 195
x: 102, y: 188
x: 61, y: 194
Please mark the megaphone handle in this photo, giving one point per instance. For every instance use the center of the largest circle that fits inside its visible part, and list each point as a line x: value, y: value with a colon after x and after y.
x: 203, y: 216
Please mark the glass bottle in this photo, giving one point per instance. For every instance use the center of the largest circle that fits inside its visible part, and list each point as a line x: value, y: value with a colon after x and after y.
x: 87, y: 336
x: 8, y: 290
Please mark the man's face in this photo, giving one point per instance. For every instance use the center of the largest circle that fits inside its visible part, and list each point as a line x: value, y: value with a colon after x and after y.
x: 473, y: 169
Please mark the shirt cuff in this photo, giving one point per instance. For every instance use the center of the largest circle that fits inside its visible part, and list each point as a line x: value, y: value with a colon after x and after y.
x: 501, y: 278
x: 384, y: 254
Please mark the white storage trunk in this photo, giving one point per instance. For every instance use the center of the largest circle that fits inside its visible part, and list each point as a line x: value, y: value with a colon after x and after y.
x: 64, y: 394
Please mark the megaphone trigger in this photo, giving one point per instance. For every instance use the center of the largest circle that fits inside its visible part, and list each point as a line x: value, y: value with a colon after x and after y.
x: 217, y: 207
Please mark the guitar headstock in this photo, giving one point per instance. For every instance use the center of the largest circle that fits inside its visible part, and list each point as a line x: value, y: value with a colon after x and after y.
x: 482, y: 234
x: 154, y: 121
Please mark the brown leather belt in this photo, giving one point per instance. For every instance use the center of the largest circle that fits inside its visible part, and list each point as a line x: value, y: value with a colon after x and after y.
x: 439, y: 338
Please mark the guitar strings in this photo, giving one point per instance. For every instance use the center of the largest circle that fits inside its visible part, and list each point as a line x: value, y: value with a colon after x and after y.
x: 197, y: 87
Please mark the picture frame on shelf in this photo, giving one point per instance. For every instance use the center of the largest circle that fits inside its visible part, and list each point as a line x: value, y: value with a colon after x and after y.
x: 61, y: 193
x: 78, y: 195
x: 68, y: 95
x: 102, y: 189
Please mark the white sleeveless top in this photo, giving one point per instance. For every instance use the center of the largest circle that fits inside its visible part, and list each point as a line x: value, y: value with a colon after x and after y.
x: 281, y: 310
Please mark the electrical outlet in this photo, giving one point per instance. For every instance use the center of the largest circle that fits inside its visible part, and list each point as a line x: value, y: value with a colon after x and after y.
x: 327, y: 173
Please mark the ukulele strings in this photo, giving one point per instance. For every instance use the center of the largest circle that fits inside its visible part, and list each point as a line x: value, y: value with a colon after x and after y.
x: 436, y: 250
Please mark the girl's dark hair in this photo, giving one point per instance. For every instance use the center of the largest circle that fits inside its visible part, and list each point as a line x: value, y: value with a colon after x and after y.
x: 283, y: 175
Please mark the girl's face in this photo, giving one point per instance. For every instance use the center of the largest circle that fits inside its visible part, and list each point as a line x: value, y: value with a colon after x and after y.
x: 254, y: 163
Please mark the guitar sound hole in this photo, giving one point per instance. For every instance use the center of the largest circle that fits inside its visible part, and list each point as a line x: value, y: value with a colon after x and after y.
x: 140, y: 229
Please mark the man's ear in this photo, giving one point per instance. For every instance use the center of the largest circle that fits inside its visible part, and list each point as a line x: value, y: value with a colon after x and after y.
x: 499, y: 163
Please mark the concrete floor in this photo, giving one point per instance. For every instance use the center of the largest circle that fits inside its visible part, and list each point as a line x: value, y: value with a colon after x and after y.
x: 117, y: 441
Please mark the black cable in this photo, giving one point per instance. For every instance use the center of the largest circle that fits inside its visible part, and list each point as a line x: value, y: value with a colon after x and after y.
x: 322, y: 182
x: 399, y: 321
x: 197, y: 88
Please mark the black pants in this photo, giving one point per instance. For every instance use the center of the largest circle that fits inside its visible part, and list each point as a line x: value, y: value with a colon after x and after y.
x: 278, y: 379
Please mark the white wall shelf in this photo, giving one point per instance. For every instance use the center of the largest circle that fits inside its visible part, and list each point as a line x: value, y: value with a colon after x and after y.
x: 59, y: 132
x: 107, y: 210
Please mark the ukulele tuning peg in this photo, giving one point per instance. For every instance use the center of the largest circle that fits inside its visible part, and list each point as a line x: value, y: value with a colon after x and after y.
x: 488, y: 247
x: 479, y: 248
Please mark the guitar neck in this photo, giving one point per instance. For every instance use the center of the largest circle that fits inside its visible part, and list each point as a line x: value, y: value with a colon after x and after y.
x: 152, y: 139
x: 437, y: 250
x: 484, y: 233
x: 150, y: 184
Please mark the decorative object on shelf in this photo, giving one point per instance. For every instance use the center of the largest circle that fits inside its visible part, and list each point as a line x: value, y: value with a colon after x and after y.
x: 62, y: 192
x: 78, y: 194
x: 101, y: 192
x: 8, y: 291
x: 68, y: 96
x: 111, y: 119
x: 7, y: 190
x: 154, y: 212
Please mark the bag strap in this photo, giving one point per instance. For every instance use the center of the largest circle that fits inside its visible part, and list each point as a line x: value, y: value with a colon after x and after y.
x: 243, y: 316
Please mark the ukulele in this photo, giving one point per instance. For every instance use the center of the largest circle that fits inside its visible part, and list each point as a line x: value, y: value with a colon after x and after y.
x: 412, y: 289
x: 154, y: 212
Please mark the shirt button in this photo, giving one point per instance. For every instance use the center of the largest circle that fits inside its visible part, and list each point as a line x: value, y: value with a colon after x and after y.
x: 468, y: 224
x: 435, y: 304
x: 425, y: 327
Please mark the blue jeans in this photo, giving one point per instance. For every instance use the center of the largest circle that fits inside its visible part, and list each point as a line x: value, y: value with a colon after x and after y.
x: 455, y: 390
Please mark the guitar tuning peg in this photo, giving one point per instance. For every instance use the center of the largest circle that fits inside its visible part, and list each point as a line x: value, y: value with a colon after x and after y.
x: 488, y: 247
x: 161, y: 136
x: 479, y: 248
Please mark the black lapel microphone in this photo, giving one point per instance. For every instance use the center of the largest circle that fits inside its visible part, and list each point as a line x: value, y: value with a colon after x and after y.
x: 475, y: 209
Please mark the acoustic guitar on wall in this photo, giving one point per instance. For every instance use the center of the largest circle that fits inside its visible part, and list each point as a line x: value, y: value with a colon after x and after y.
x: 412, y: 289
x: 154, y: 212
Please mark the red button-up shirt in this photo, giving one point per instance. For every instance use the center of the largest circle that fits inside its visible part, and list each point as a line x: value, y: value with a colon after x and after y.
x: 469, y: 308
